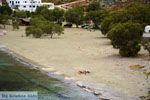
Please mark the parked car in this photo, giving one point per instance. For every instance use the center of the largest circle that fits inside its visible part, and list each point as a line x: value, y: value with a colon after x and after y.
x: 85, y: 26
x: 68, y: 25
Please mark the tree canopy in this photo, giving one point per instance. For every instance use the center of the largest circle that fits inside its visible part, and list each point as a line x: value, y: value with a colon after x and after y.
x: 75, y: 15
x: 40, y: 26
x: 126, y: 37
x: 94, y: 6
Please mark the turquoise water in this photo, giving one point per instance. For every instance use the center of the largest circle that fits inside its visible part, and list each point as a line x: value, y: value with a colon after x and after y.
x: 18, y: 75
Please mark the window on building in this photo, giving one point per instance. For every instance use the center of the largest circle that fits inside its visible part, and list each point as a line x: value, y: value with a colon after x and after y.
x: 10, y: 1
x: 33, y: 6
x: 24, y: 6
x: 25, y: 1
x: 18, y: 1
x: 30, y: 6
x: 33, y: 1
x: 37, y: 6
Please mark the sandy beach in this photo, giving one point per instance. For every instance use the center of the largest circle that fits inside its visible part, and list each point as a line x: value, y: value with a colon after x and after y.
x: 79, y: 49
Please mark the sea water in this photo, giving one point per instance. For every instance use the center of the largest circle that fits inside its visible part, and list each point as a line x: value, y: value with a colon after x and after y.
x: 19, y: 75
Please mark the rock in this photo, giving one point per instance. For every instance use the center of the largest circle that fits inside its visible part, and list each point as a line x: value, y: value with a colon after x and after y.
x: 87, y: 90
x: 96, y: 92
x: 49, y: 69
x: 58, y: 73
x: 70, y: 78
x: 80, y: 84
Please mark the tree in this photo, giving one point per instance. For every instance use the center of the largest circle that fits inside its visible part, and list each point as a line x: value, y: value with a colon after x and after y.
x: 58, y: 15
x: 105, y: 25
x: 44, y: 27
x: 28, y: 14
x: 94, y: 6
x: 136, y: 13
x: 4, y: 20
x: 15, y: 25
x: 126, y: 37
x: 20, y: 14
x: 75, y: 15
x: 39, y: 10
x: 35, y: 31
x: 112, y: 19
x: 5, y: 10
x: 97, y: 16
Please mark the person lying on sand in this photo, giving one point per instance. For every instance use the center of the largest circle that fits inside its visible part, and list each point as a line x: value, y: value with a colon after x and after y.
x: 83, y: 72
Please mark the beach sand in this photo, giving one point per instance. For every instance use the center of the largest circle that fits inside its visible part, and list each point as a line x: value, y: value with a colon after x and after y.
x: 79, y: 49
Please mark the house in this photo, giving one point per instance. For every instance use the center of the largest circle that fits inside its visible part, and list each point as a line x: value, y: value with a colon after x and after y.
x: 147, y: 32
x: 28, y: 5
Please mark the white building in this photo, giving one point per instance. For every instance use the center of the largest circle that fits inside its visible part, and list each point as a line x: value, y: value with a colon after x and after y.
x: 147, y: 29
x: 28, y: 5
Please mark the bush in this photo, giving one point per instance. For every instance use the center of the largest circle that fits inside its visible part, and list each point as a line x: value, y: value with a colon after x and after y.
x: 105, y: 25
x: 36, y: 32
x: 15, y: 25
x: 126, y: 37
x: 96, y: 16
x: 75, y: 15
x: 20, y: 14
x: 93, y: 6
x: 40, y: 26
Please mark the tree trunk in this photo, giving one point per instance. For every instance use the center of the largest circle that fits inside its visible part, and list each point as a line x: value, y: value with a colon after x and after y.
x: 77, y: 25
x: 52, y: 35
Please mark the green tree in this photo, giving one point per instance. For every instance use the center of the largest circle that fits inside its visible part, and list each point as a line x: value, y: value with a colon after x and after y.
x: 39, y: 10
x: 136, y: 13
x: 5, y: 10
x: 28, y: 14
x: 93, y: 6
x: 126, y: 37
x: 105, y: 25
x: 45, y: 12
x: 20, y: 14
x: 4, y: 20
x: 45, y: 27
x: 15, y: 25
x: 75, y: 15
x: 58, y: 15
x: 35, y: 31
x: 97, y: 16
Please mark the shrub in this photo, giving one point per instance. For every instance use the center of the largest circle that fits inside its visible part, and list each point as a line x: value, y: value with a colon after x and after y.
x: 15, y: 25
x: 126, y: 37
x: 93, y: 6
x: 20, y: 14
x: 36, y: 32
x: 40, y: 26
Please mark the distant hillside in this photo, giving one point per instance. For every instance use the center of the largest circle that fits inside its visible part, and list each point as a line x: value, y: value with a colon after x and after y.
x: 121, y: 4
x: 56, y: 2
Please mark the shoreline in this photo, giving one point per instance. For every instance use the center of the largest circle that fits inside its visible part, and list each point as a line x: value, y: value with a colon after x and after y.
x: 102, y: 93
